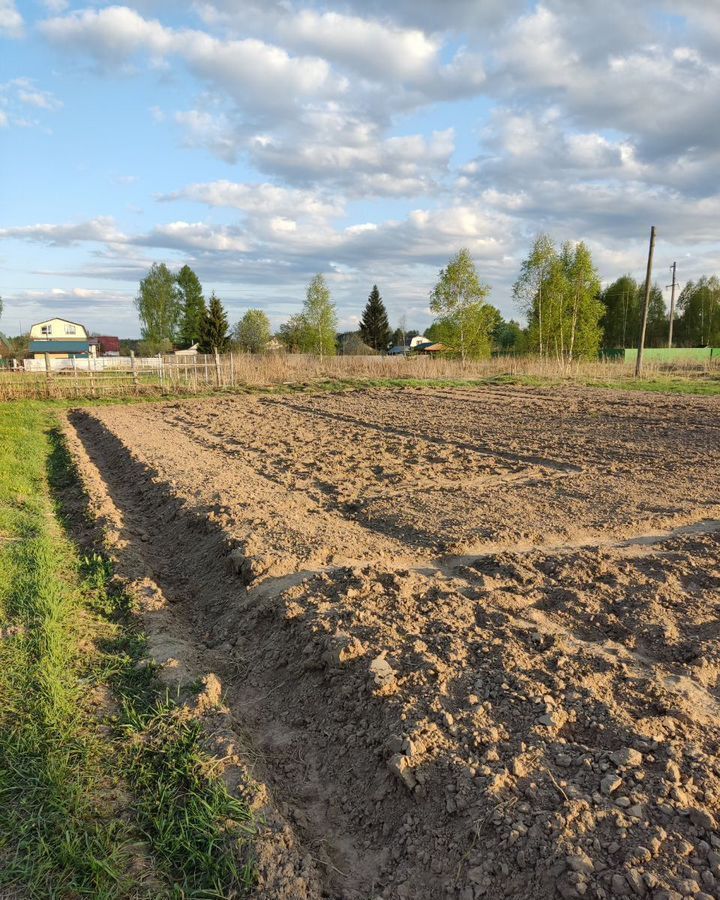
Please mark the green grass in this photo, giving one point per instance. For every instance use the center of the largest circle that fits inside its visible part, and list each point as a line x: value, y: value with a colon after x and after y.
x: 95, y: 802
x: 674, y: 382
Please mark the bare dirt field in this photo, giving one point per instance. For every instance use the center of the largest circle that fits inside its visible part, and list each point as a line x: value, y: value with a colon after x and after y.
x: 470, y: 638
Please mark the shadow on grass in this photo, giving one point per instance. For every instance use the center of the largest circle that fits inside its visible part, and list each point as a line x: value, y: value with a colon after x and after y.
x: 197, y: 834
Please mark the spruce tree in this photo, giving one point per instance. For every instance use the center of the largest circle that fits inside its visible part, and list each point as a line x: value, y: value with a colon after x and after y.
x: 374, y: 326
x: 193, y: 306
x: 214, y: 332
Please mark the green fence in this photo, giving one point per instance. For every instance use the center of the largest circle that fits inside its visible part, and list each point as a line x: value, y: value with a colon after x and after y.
x: 675, y: 355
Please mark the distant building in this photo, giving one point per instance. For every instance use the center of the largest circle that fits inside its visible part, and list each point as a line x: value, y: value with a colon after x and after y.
x: 105, y: 345
x: 60, y: 339
x: 189, y: 351
x: 419, y: 341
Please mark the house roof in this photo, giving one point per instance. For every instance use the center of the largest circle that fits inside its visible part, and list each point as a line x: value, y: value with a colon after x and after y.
x: 59, y: 319
x: 81, y: 346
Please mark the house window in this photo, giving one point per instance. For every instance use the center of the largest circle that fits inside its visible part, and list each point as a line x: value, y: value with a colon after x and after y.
x: 46, y: 329
x: 70, y: 329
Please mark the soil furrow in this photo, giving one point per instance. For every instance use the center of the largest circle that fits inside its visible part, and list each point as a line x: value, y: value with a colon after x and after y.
x: 434, y: 723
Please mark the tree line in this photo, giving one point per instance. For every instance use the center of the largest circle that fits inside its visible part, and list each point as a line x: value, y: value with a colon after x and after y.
x: 558, y: 290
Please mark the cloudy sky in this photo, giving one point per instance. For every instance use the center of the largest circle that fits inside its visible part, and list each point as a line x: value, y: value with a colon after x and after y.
x: 261, y: 141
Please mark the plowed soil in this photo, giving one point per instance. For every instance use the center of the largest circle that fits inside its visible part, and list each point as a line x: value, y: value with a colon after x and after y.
x: 471, y: 637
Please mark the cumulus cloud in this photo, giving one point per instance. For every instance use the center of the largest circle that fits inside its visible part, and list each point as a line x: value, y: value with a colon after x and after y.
x: 266, y: 199
x: 359, y: 158
x: 592, y: 125
x: 64, y: 235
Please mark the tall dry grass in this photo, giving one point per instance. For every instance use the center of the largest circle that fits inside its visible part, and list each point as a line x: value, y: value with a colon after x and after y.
x: 183, y: 375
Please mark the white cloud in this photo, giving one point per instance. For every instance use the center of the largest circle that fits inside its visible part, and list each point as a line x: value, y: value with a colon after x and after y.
x: 196, y: 236
x: 594, y: 125
x: 11, y: 22
x: 251, y: 71
x: 101, y: 228
x: 265, y: 199
x: 17, y: 95
x: 111, y: 35
x: 374, y: 49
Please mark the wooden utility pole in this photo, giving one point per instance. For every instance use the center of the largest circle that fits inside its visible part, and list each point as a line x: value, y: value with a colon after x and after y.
x: 648, y: 286
x: 672, y: 304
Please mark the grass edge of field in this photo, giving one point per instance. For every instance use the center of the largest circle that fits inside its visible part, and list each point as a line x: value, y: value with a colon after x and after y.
x: 664, y: 383
x: 69, y: 823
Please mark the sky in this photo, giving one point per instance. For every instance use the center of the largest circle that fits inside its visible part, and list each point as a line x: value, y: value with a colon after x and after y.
x: 263, y: 141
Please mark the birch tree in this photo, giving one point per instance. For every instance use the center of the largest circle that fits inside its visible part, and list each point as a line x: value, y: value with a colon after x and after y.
x: 319, y: 318
x: 458, y: 302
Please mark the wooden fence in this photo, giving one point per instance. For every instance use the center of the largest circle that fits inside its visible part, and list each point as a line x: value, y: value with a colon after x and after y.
x: 136, y: 376
x: 179, y: 375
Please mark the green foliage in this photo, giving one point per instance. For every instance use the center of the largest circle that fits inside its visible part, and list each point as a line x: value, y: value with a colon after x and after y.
x: 623, y: 302
x: 292, y: 333
x: 401, y: 337
x: 656, y: 334
x: 559, y: 291
x: 621, y: 319
x: 508, y: 337
x: 158, y: 305
x: 374, y: 325
x: 14, y: 347
x: 252, y: 333
x: 191, y: 821
x: 320, y: 320
x: 214, y: 336
x: 192, y: 306
x: 464, y: 320
x: 699, y: 306
x: 530, y: 288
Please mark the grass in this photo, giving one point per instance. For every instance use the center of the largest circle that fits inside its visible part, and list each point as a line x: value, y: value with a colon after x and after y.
x: 287, y: 372
x: 101, y: 802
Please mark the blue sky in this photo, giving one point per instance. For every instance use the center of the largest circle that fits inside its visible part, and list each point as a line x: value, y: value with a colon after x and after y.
x: 261, y: 142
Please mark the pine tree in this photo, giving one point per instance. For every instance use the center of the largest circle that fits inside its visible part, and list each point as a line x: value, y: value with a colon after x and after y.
x: 374, y: 325
x: 192, y: 304
x: 214, y: 332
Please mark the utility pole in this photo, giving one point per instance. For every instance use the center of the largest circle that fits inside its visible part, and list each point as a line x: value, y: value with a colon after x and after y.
x: 672, y: 304
x: 648, y: 278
